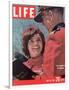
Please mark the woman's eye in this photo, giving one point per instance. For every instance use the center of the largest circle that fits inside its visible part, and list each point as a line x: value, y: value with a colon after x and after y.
x: 36, y: 40
x: 39, y: 39
x: 31, y: 41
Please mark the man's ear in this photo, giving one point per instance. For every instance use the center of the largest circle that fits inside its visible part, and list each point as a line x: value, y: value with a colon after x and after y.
x: 51, y: 14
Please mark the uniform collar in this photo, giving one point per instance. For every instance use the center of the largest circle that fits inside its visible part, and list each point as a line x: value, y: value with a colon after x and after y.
x: 58, y: 26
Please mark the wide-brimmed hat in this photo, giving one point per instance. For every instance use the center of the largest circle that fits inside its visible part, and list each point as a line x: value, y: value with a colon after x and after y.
x: 39, y: 18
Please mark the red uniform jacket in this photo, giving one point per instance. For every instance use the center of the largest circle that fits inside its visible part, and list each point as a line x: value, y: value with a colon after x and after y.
x: 54, y: 54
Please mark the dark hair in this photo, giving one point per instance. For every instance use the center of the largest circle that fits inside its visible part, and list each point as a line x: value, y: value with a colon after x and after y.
x: 27, y: 35
x: 43, y: 8
x: 59, y: 9
x: 39, y: 18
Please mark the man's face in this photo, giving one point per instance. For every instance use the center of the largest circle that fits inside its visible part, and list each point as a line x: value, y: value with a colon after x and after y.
x: 35, y: 46
x: 48, y: 19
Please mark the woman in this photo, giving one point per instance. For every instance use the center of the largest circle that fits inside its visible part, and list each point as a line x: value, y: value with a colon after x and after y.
x: 33, y: 46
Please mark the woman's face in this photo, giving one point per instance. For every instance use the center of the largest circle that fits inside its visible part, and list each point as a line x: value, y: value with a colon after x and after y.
x: 35, y: 46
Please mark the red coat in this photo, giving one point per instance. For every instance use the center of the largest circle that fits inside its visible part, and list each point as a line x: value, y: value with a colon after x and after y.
x: 35, y: 65
x: 54, y: 54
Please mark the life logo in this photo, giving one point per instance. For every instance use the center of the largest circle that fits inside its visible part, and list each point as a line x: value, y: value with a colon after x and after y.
x: 25, y: 12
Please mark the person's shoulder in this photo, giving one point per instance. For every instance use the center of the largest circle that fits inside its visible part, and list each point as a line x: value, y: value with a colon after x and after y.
x: 60, y: 27
x: 57, y: 35
x: 60, y: 35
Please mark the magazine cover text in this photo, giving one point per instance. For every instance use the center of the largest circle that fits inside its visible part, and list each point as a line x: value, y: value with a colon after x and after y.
x: 38, y: 44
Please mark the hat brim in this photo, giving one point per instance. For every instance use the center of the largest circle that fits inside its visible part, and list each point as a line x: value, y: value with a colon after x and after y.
x: 38, y: 18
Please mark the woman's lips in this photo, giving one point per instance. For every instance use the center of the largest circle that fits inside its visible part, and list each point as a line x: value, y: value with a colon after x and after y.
x: 36, y: 48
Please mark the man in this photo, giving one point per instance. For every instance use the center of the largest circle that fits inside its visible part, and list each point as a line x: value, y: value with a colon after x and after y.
x: 54, y: 55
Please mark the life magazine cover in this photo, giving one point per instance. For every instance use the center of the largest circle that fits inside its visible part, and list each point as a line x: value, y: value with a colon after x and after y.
x: 38, y: 44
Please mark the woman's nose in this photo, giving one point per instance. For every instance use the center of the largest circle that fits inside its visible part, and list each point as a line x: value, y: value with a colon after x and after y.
x: 35, y: 43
